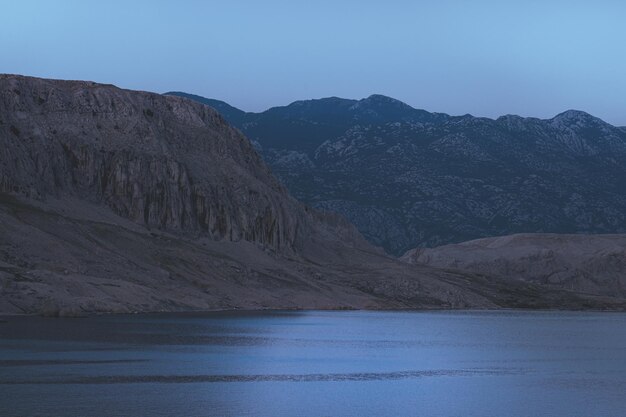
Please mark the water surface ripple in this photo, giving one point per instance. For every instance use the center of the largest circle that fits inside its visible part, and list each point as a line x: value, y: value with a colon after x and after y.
x: 316, y: 363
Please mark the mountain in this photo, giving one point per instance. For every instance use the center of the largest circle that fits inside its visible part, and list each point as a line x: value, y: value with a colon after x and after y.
x: 594, y: 264
x: 409, y: 178
x: 114, y: 200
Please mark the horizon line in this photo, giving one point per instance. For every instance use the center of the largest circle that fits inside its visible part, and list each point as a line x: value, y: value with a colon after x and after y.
x: 317, y: 99
x: 175, y: 92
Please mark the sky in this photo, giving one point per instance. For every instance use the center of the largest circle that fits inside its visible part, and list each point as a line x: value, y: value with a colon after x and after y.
x: 483, y: 57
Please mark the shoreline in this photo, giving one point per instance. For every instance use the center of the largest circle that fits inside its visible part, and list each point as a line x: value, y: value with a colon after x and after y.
x: 4, y: 318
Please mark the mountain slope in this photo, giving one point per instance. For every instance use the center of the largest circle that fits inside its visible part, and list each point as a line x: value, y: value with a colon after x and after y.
x: 117, y: 200
x: 409, y: 178
x: 594, y: 264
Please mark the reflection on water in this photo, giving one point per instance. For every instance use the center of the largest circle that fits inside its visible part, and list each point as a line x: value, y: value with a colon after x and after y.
x: 316, y: 364
x: 367, y: 376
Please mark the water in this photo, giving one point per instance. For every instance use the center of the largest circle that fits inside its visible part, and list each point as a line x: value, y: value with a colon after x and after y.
x: 314, y: 363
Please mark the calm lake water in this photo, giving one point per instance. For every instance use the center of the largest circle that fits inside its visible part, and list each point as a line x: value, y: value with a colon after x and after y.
x: 280, y: 364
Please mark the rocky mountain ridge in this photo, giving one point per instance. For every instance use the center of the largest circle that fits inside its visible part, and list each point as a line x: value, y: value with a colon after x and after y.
x: 409, y: 178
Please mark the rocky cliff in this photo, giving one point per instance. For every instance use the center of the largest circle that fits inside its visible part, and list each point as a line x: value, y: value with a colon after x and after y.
x: 164, y: 162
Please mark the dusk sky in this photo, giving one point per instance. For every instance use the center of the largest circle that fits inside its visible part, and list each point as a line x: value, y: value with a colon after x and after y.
x: 484, y: 57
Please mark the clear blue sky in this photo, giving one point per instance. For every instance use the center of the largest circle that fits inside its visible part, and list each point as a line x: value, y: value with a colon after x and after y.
x: 485, y: 57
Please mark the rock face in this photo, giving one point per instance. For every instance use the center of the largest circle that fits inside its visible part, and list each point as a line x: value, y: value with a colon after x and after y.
x: 164, y: 162
x: 409, y: 178
x: 594, y: 264
x: 116, y: 201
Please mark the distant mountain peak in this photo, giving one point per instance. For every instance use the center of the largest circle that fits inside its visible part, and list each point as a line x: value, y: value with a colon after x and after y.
x: 381, y: 100
x: 578, y: 119
x: 319, y: 101
x: 380, y: 97
x: 573, y: 115
x: 510, y: 117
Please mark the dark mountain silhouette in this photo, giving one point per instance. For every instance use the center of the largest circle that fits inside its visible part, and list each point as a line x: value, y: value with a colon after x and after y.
x: 409, y: 178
